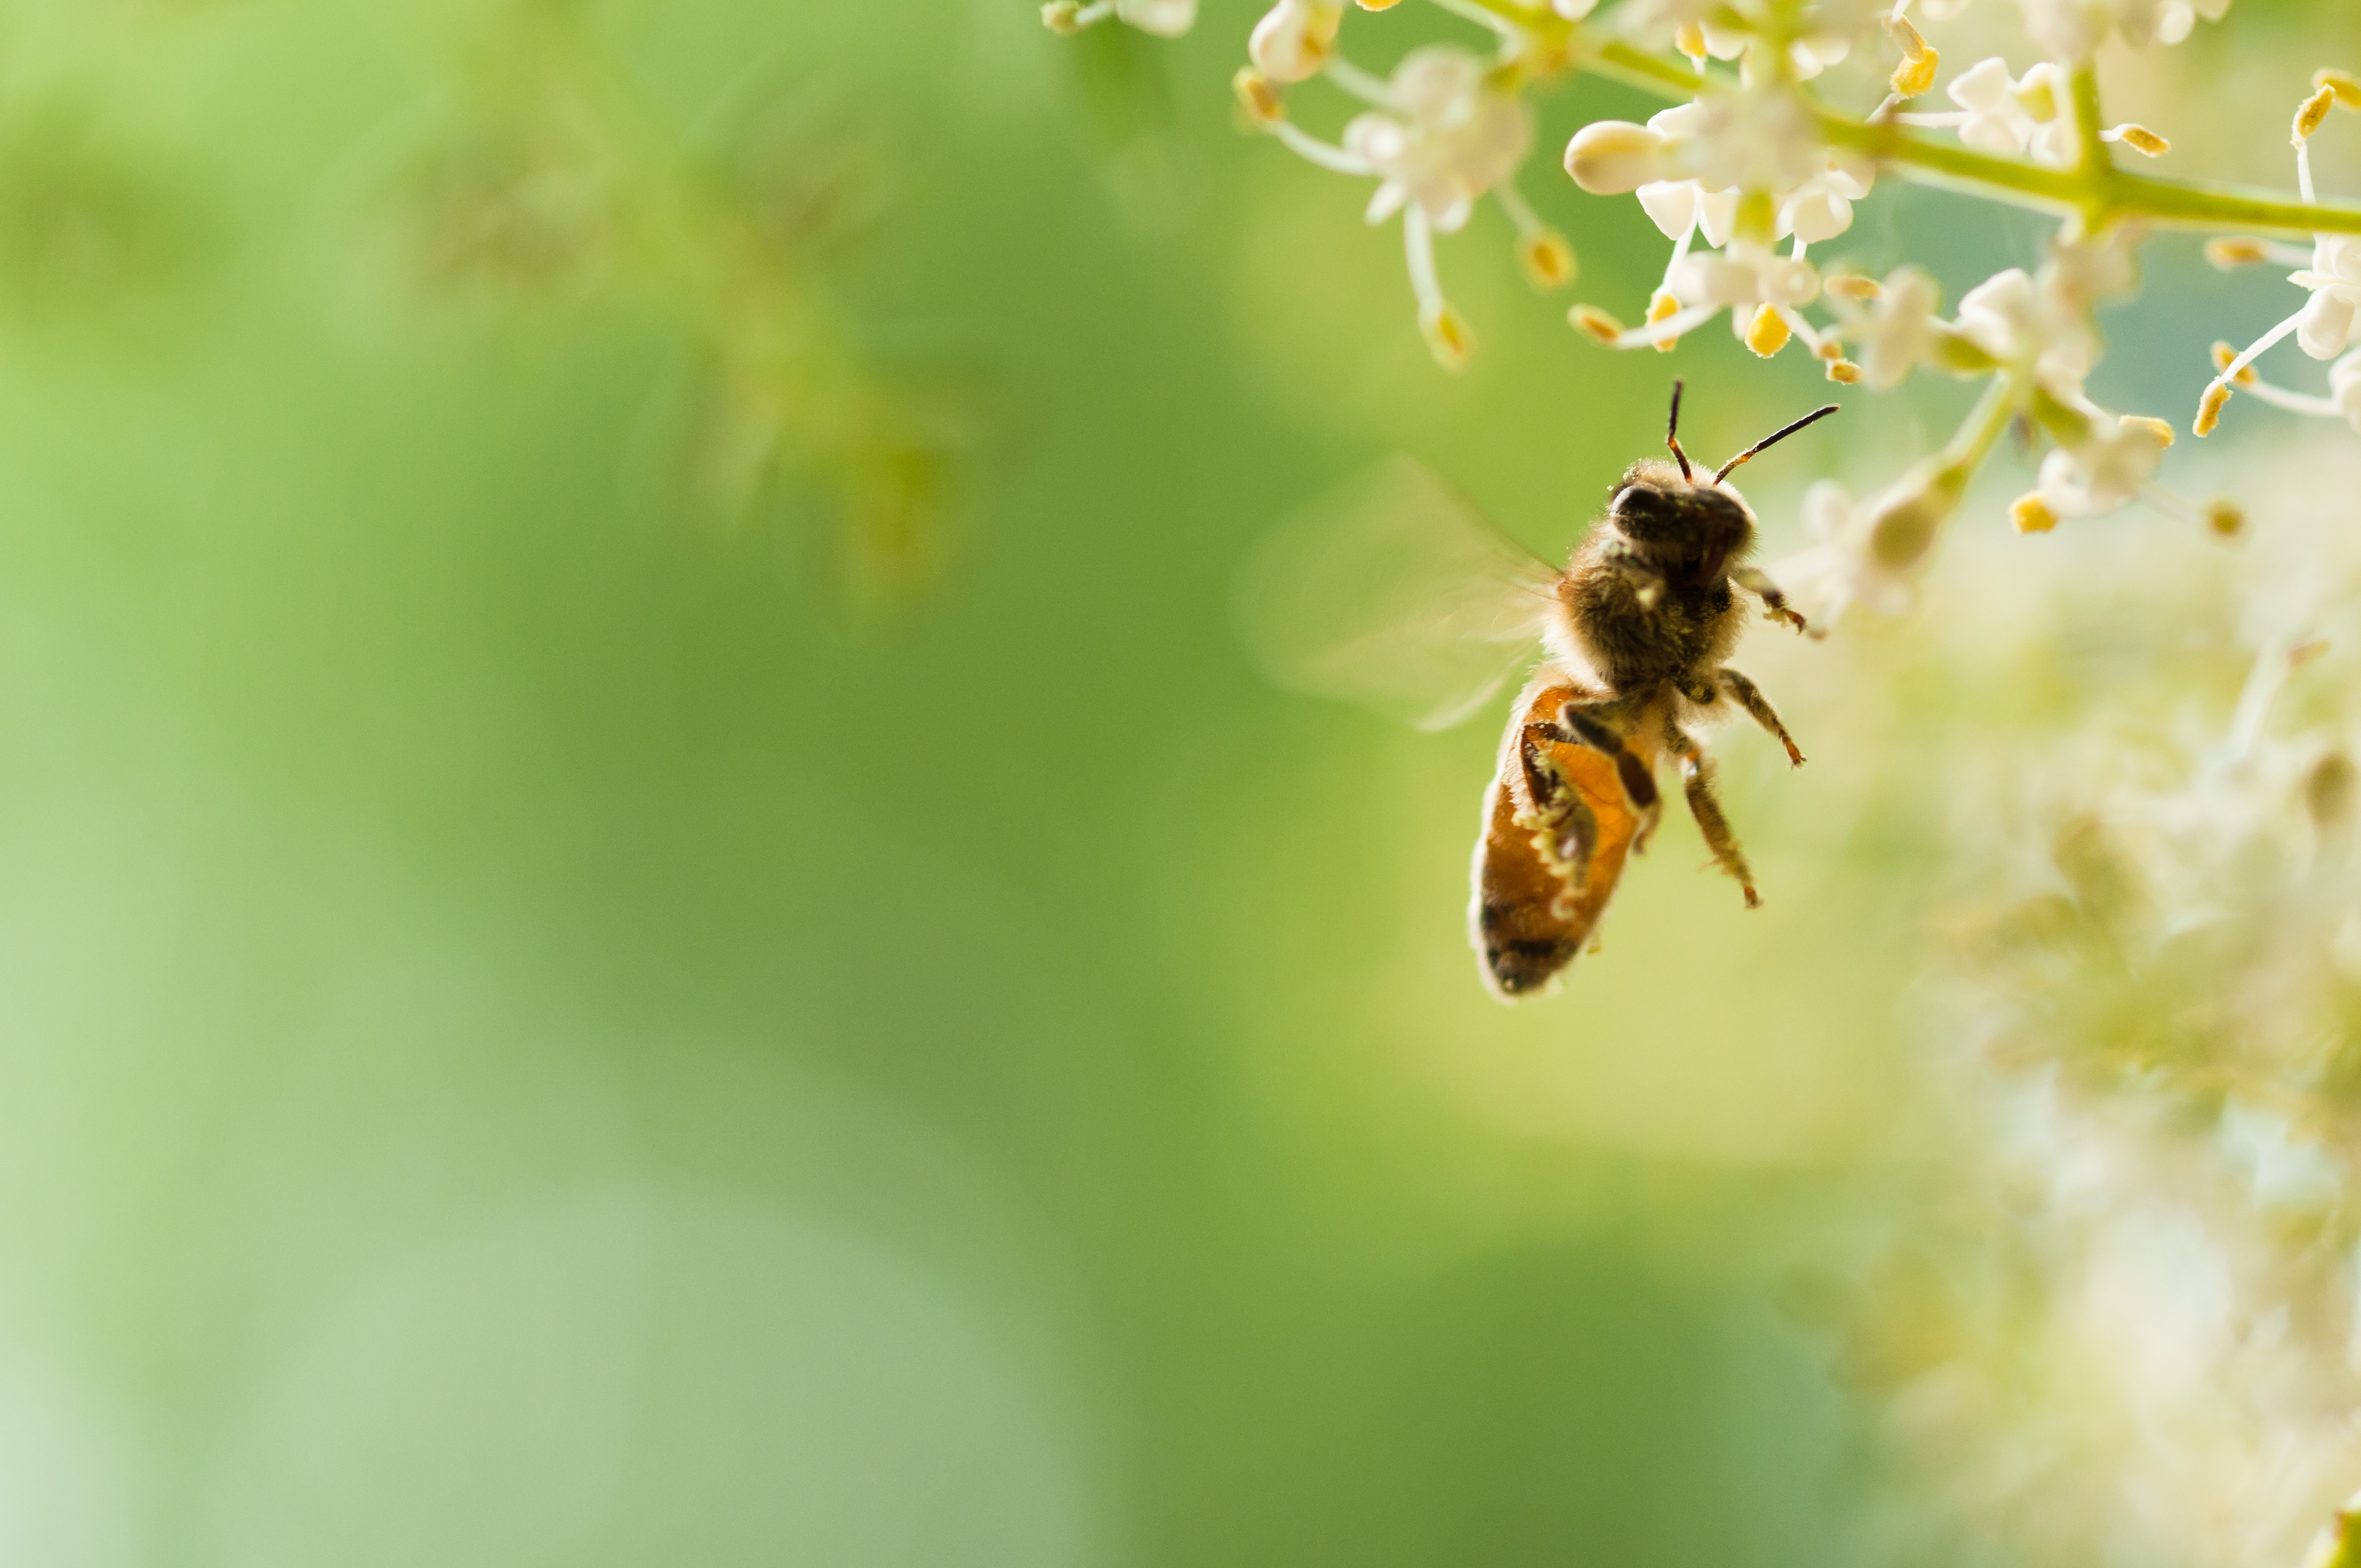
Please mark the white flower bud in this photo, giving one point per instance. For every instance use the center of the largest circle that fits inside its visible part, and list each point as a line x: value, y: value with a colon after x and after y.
x: 1294, y: 40
x: 1610, y: 157
x: 2327, y: 323
x: 2345, y: 387
x: 1165, y: 19
x: 1815, y: 213
x: 1675, y: 205
x: 1903, y: 521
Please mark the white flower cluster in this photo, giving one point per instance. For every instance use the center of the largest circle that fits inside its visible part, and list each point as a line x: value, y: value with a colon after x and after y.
x: 1742, y: 170
x: 1744, y: 175
x: 2119, y: 1324
x: 2032, y: 337
x: 1752, y: 167
x: 1748, y: 173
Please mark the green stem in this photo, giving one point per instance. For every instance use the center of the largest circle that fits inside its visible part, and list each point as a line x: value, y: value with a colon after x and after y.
x: 2115, y: 196
x: 1973, y: 440
x: 2094, y: 166
x: 1959, y: 167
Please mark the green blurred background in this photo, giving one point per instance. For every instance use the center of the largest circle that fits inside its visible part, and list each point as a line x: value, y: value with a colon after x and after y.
x: 544, y: 1021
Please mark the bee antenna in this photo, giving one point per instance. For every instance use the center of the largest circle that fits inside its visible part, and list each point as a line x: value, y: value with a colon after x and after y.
x: 1776, y: 436
x: 1673, y: 436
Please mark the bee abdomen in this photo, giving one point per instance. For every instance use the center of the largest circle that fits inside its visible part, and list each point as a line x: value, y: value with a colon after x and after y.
x: 1546, y: 866
x: 1520, y: 966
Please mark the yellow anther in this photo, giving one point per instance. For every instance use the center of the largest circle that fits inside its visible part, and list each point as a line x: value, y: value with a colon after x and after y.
x: 2154, y: 429
x: 2209, y: 408
x: 1597, y: 322
x: 1259, y: 96
x: 1852, y: 286
x: 2224, y: 357
x: 1916, y: 74
x: 1689, y: 38
x: 2311, y: 113
x: 1844, y: 371
x: 1913, y: 77
x: 1768, y: 332
x: 1058, y: 15
x: 2230, y: 250
x: 1448, y: 335
x: 2344, y: 83
x: 1379, y: 4
x: 2139, y: 138
x: 1548, y: 260
x: 1663, y: 306
x: 2226, y: 517
x: 2031, y: 514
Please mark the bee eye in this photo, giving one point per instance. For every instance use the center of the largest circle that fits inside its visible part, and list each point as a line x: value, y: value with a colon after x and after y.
x: 1615, y: 507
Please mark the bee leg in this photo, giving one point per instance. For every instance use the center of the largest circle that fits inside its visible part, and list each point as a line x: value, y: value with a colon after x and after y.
x: 1579, y: 729
x: 1754, y: 580
x: 1750, y: 698
x: 1569, y: 833
x: 1696, y: 779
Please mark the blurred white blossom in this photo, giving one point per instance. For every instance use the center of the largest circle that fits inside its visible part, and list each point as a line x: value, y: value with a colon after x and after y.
x: 2031, y: 329
x: 2119, y: 1324
x: 2071, y: 31
x: 1895, y: 331
x: 1452, y: 137
x: 2107, y: 467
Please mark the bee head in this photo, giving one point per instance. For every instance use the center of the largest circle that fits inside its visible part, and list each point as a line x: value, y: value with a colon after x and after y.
x: 1689, y: 530
x: 1687, y: 527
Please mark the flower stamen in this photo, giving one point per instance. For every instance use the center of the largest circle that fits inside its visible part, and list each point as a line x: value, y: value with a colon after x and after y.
x: 1370, y: 89
x: 1311, y: 149
x: 2139, y: 138
x: 2217, y: 392
x: 1547, y: 259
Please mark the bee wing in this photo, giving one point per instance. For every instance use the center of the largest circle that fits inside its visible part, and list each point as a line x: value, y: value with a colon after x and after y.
x: 1393, y: 591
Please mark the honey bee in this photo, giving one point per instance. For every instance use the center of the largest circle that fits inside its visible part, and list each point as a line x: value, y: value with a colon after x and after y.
x: 1397, y: 594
